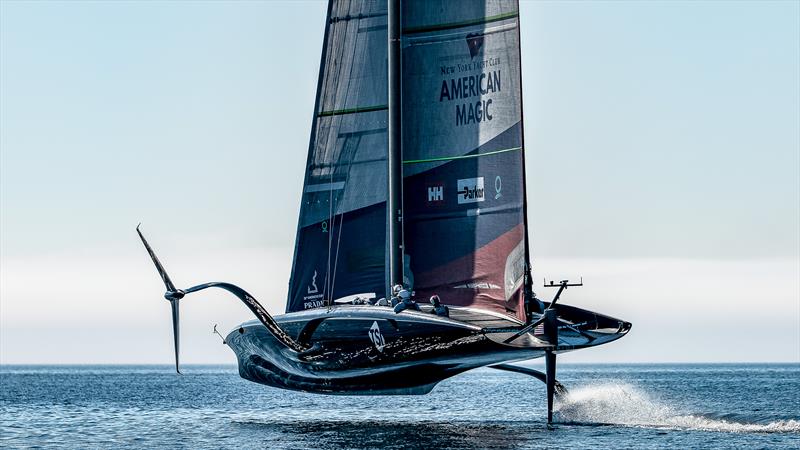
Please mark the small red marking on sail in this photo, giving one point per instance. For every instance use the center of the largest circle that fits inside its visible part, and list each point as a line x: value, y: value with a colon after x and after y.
x: 538, y: 329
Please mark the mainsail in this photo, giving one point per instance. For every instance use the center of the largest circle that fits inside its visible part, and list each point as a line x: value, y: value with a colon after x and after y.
x: 463, y: 168
x: 341, y: 232
x: 463, y: 186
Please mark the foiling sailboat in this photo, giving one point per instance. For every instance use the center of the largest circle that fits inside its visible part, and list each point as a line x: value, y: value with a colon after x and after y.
x: 415, y: 176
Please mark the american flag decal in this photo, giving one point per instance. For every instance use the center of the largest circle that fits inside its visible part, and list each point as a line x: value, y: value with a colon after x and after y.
x: 538, y: 329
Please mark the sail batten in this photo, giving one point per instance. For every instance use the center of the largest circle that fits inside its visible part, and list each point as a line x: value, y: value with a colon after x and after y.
x: 466, y: 23
x: 451, y: 158
x: 356, y: 17
x: 361, y: 109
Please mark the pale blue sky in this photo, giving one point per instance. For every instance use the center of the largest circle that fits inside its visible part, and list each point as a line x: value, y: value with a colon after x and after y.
x: 663, y: 145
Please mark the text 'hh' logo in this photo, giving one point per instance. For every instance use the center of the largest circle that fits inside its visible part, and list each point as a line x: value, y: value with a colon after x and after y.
x: 436, y: 193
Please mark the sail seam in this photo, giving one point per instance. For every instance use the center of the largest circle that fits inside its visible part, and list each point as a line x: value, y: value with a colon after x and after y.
x: 355, y: 17
x: 339, y: 112
x: 449, y: 158
x: 466, y: 23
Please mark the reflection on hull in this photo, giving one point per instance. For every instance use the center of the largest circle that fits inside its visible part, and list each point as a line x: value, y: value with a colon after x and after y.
x: 371, y: 350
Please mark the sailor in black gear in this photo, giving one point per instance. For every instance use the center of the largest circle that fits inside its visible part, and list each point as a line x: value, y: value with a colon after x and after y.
x: 405, y: 302
x: 396, y: 295
x: 538, y: 305
x: 438, y: 308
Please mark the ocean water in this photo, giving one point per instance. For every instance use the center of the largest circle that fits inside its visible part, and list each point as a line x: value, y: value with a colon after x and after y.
x: 611, y: 406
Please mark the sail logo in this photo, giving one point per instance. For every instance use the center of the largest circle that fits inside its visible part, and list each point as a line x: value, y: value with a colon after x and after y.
x: 436, y: 193
x: 312, y: 288
x: 376, y: 337
x: 474, y: 43
x: 314, y: 298
x: 470, y: 190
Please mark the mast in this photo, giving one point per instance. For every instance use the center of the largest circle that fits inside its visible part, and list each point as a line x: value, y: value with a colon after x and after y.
x: 394, y: 207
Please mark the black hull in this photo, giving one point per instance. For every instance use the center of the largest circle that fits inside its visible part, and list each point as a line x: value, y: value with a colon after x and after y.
x: 410, y: 353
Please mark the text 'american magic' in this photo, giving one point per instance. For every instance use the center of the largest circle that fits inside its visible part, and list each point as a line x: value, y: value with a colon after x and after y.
x: 468, y: 87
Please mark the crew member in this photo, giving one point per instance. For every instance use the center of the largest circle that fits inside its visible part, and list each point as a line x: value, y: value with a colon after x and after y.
x: 406, y: 302
x: 396, y: 295
x: 438, y: 308
x: 538, y: 305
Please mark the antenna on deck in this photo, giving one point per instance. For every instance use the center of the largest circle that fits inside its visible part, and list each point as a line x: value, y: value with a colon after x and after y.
x: 563, y: 284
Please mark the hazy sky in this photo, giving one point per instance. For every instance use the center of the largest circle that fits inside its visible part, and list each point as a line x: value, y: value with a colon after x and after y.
x: 663, y: 144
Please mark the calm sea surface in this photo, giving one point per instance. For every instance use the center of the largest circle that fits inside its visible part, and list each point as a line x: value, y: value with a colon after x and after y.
x: 612, y: 406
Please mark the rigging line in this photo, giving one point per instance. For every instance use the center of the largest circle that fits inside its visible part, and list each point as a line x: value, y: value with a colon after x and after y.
x: 346, y: 152
x: 353, y: 58
x: 336, y: 258
x: 331, y: 85
x: 331, y: 223
x: 341, y: 220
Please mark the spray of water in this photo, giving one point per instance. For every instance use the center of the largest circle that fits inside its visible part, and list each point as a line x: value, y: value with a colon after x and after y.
x: 624, y: 404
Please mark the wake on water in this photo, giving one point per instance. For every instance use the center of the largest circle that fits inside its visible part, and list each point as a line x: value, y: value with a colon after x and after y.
x: 626, y: 405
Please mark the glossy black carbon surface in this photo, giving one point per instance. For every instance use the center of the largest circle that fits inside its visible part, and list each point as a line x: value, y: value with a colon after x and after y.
x: 371, y: 350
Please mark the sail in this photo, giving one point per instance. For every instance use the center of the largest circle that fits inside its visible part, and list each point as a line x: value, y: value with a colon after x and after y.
x: 340, y: 248
x: 463, y: 170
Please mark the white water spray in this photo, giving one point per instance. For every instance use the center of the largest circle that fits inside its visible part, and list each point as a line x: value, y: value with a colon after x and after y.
x: 624, y: 404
